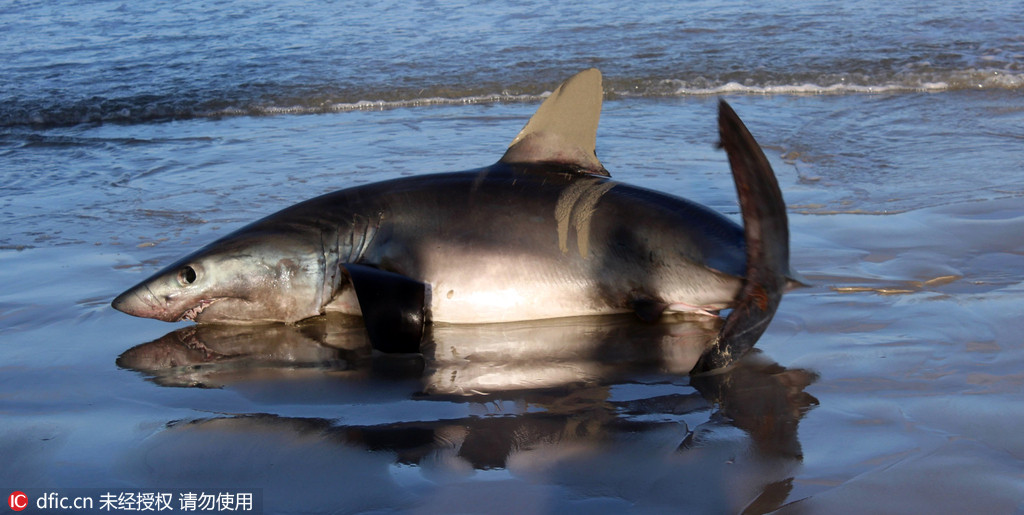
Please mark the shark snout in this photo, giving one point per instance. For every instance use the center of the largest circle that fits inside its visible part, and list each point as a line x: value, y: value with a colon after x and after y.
x: 140, y: 302
x: 128, y: 302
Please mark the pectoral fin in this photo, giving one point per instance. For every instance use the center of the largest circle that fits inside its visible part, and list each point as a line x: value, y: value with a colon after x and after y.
x: 393, y: 307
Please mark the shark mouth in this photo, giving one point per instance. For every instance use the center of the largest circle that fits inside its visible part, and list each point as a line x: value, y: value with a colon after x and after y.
x: 193, y: 312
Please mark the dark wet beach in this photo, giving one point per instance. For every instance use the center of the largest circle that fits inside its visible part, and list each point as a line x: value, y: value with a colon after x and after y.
x: 892, y: 385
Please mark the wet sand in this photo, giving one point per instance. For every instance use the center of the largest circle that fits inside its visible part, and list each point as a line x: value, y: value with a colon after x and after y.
x: 892, y: 385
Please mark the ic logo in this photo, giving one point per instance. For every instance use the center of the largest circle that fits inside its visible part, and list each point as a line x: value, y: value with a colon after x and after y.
x: 18, y: 501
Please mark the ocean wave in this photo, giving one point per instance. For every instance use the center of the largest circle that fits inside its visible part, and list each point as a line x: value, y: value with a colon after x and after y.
x: 735, y: 88
x: 371, y: 105
x: 291, y: 100
x: 961, y: 80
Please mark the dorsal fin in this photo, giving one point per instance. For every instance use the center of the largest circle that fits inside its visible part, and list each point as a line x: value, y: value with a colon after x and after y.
x: 563, y: 131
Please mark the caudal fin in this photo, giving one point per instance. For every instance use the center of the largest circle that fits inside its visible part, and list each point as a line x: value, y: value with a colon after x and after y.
x: 766, y: 230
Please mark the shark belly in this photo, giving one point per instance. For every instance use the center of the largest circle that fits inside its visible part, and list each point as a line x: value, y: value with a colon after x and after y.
x: 488, y: 265
x: 461, y: 299
x: 485, y: 288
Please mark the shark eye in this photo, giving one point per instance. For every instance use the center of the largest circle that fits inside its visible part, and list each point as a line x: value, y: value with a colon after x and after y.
x: 186, y: 276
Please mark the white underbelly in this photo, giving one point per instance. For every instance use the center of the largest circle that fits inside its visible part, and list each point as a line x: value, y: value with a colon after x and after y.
x: 453, y: 305
x: 461, y: 299
x: 502, y: 288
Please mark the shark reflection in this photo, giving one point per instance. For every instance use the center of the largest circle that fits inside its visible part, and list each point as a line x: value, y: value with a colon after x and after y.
x: 211, y: 356
x: 547, y: 398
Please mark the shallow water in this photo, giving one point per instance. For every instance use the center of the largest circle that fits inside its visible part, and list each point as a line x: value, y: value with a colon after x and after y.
x: 892, y: 385
x: 904, y: 357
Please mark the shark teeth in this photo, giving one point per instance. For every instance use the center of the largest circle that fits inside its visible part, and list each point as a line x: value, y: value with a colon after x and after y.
x: 191, y: 313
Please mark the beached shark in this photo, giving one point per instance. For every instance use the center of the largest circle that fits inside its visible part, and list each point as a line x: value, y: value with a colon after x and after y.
x: 543, y: 233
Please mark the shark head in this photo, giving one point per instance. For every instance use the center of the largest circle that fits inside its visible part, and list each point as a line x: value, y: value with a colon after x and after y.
x: 248, y: 277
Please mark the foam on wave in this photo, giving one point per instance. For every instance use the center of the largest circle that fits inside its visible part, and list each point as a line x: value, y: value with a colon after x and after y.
x: 147, y: 108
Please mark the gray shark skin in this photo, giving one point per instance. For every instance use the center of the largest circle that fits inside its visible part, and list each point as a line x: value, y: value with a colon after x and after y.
x: 544, y: 233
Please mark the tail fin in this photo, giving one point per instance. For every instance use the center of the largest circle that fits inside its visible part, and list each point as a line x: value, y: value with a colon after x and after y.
x: 767, y: 234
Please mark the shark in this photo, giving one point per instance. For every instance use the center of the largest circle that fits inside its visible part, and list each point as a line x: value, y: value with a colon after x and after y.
x: 543, y: 233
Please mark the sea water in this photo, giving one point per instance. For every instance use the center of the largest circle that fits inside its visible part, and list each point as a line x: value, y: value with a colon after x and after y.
x: 133, y: 133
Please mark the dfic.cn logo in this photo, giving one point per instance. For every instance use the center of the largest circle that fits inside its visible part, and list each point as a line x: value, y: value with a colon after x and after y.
x: 18, y: 501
